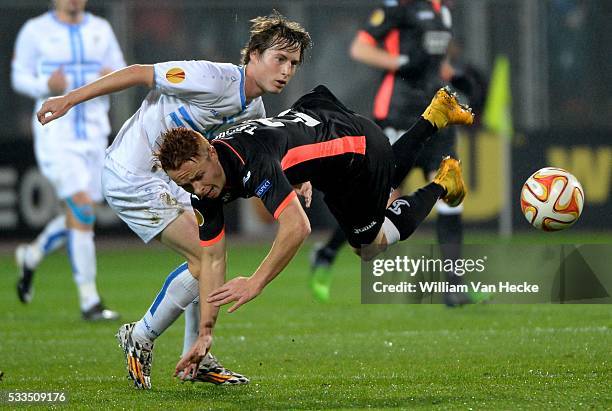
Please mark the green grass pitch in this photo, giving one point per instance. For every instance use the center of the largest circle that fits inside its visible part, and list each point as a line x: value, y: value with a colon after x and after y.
x: 301, y: 354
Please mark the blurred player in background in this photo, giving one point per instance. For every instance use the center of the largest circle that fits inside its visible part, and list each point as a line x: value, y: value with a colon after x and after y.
x: 204, y: 96
x: 409, y: 40
x: 54, y: 53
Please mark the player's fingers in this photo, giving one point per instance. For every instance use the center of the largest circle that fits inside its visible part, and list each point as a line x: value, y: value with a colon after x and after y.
x: 219, y: 290
x: 180, y: 366
x: 240, y: 302
x: 194, y: 370
x: 49, y: 117
x: 218, y: 297
x: 234, y: 307
x: 226, y: 300
x: 42, y: 113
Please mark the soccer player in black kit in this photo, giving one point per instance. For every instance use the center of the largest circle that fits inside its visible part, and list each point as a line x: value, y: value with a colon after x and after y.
x: 409, y: 40
x: 342, y: 154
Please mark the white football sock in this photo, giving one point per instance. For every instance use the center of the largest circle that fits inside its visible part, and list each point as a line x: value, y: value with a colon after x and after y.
x: 50, y: 239
x: 192, y: 325
x: 82, y: 253
x: 179, y: 290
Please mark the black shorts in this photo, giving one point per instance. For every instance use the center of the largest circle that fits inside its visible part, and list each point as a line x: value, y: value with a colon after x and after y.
x: 359, y: 204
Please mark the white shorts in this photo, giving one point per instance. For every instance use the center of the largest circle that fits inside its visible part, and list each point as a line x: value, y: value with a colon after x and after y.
x: 147, y: 202
x: 72, y: 167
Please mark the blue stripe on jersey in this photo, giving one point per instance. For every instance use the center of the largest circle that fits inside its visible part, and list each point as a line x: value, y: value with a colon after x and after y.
x: 162, y: 293
x: 188, y: 118
x: 242, y: 96
x: 81, y: 58
x: 75, y: 48
x: 49, y: 67
x: 176, y: 120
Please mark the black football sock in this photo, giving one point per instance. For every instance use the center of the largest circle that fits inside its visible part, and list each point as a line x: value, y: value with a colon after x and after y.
x: 408, y: 212
x: 450, y: 238
x: 408, y: 147
x: 337, y: 240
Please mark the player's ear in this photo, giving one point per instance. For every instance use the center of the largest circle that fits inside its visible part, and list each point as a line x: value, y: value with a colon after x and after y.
x: 212, y: 152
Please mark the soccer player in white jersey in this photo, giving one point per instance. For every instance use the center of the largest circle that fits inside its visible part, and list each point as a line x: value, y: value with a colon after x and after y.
x: 59, y: 51
x: 204, y: 96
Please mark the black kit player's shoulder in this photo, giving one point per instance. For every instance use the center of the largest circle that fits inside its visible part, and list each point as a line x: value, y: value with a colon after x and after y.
x: 317, y: 95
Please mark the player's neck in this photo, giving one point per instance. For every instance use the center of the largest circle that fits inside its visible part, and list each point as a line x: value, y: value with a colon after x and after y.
x: 251, y: 89
x: 69, y: 18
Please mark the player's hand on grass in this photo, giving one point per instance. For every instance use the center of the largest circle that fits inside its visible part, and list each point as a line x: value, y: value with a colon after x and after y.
x: 305, y: 190
x: 53, y: 108
x: 190, y: 362
x: 239, y: 289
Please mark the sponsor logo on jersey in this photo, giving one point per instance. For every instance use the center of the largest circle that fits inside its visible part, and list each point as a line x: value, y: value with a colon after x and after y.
x: 175, y: 75
x: 365, y: 228
x: 377, y: 17
x: 263, y: 188
x: 199, y: 217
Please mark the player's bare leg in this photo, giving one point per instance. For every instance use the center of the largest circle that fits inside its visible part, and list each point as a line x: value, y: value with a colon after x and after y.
x: 178, y: 294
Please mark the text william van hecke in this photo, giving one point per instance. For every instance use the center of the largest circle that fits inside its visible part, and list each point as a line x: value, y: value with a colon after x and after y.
x: 446, y: 287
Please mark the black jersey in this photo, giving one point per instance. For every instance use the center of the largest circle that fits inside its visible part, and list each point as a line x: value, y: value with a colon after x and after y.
x: 421, y: 31
x: 317, y: 140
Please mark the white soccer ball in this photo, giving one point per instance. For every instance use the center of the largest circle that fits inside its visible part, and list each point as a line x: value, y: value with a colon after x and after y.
x: 552, y: 199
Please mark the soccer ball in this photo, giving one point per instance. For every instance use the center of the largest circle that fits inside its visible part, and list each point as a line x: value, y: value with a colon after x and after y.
x: 552, y: 199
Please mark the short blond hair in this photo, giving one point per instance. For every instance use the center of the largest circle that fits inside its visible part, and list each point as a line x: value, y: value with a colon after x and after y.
x: 179, y: 145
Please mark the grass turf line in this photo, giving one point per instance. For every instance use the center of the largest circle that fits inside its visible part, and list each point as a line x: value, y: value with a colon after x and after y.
x: 301, y: 354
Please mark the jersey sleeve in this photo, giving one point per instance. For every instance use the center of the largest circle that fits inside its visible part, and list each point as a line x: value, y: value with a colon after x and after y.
x: 269, y: 183
x: 381, y: 21
x: 189, y: 78
x: 113, y: 57
x: 211, y: 222
x: 24, y: 76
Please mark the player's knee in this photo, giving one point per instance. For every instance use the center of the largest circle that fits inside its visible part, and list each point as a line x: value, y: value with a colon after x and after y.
x: 82, y: 210
x: 194, y: 267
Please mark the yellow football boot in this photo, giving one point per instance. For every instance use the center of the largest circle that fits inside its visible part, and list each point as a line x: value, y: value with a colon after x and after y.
x: 449, y: 176
x: 445, y: 110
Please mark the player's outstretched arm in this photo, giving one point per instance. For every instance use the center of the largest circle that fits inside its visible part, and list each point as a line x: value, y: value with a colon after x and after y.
x: 293, y: 229
x: 134, y: 75
x: 364, y: 52
x: 212, y: 276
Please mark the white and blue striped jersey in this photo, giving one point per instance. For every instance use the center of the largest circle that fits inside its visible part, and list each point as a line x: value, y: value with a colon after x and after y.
x: 82, y: 50
x: 205, y: 96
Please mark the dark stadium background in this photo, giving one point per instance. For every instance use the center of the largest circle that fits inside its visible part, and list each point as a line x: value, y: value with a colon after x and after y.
x: 560, y: 83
